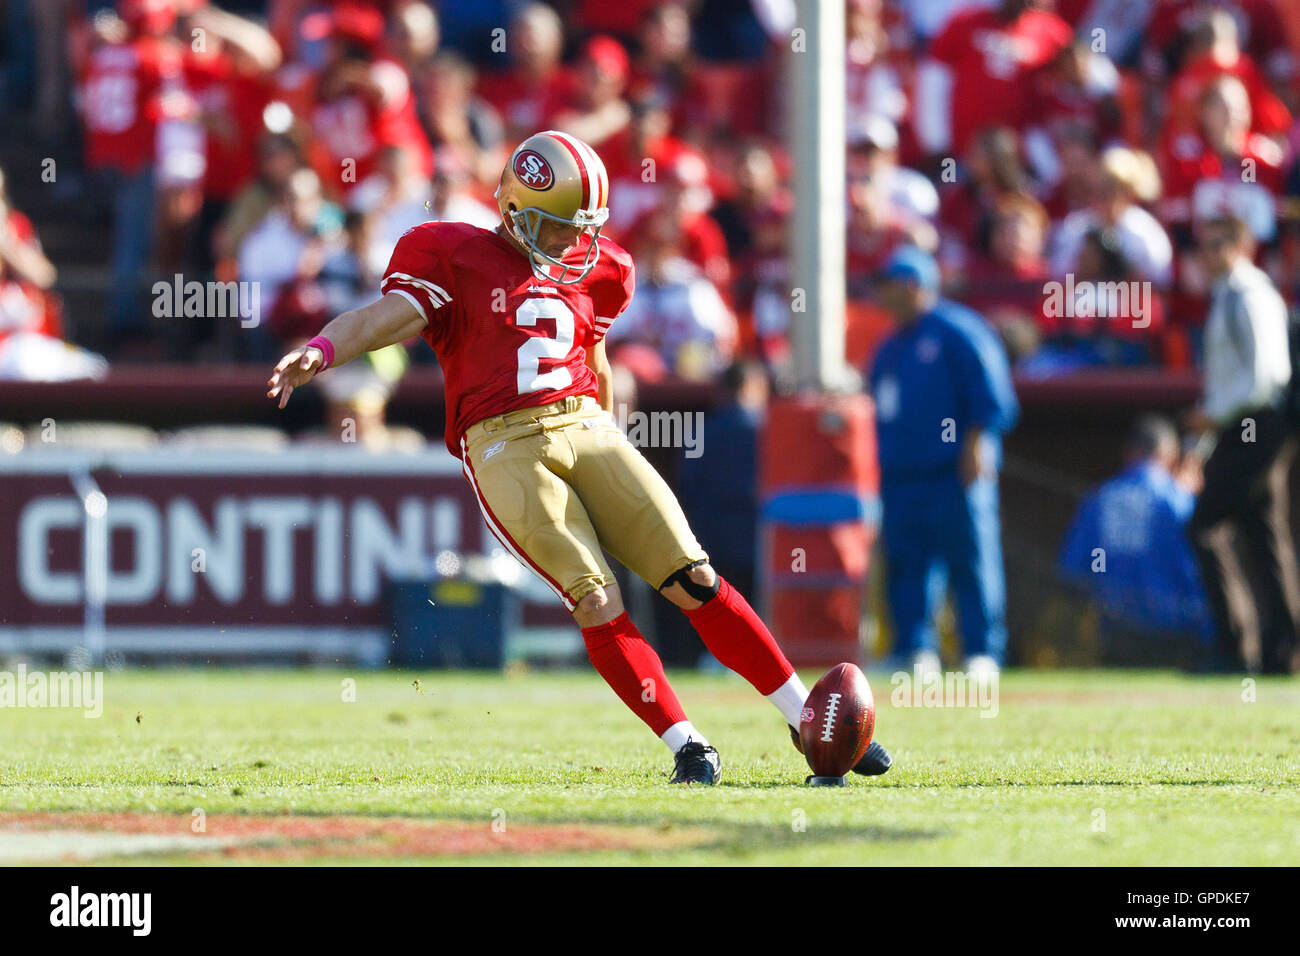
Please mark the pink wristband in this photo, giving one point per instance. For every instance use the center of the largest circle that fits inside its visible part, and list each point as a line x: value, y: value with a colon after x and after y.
x: 327, y: 350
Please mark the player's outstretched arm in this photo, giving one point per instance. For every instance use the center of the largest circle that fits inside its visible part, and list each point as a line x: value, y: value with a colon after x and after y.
x: 391, y: 319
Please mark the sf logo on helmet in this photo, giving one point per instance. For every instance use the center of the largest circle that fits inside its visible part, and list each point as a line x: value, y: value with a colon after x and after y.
x: 533, y: 171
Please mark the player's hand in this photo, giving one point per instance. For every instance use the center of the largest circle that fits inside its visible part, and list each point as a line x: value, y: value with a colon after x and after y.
x: 296, y: 368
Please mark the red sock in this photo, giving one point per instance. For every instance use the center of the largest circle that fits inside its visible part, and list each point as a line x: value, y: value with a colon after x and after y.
x: 632, y: 668
x: 739, y: 639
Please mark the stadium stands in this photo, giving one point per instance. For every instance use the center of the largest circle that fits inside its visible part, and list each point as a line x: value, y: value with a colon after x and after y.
x: 367, y: 95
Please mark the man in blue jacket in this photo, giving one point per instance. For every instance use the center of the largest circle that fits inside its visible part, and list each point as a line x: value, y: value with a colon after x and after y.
x: 1127, y: 548
x: 943, y: 395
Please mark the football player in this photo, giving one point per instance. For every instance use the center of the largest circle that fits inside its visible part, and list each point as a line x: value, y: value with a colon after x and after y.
x: 517, y: 317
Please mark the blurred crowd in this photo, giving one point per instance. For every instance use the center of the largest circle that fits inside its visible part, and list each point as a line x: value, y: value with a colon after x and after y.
x: 290, y: 142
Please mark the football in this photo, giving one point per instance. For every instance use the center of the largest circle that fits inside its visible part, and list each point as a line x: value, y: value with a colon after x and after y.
x: 837, y: 721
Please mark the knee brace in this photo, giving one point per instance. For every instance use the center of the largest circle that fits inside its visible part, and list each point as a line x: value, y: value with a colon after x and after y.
x: 701, y: 592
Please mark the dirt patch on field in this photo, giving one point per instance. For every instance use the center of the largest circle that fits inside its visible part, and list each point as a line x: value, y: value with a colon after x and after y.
x: 70, y: 837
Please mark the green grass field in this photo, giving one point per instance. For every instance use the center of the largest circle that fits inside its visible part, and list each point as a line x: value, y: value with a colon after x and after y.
x: 1076, y: 768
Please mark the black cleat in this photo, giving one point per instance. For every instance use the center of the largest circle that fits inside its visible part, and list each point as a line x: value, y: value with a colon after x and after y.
x: 873, y: 763
x: 697, y: 763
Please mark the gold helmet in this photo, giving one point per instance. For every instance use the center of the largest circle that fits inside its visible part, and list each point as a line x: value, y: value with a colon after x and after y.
x: 557, y: 177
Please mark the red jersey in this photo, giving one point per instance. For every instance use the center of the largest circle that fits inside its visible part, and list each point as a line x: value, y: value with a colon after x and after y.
x: 233, y: 103
x: 121, y: 101
x: 1268, y: 114
x: 504, y: 338
x: 625, y: 162
x: 526, y: 104
x: 353, y: 126
x: 22, y: 305
x: 700, y: 242
x: 991, y: 62
x: 1199, y: 182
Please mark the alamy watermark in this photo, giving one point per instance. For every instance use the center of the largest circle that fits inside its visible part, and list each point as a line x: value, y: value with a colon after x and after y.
x: 933, y: 688
x: 82, y: 690
x: 1098, y: 300
x: 683, y: 430
x: 179, y: 299
x: 133, y: 911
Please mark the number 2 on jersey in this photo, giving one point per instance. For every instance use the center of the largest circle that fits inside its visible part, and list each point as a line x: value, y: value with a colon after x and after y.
x: 530, y: 377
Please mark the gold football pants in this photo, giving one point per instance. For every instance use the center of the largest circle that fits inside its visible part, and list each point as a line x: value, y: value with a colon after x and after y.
x: 560, y: 482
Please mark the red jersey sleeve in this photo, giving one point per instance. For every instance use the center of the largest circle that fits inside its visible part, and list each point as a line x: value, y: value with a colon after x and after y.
x: 611, y: 289
x: 420, y: 271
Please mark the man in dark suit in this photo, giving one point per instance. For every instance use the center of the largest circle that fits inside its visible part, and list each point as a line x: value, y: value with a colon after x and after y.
x: 1245, y: 495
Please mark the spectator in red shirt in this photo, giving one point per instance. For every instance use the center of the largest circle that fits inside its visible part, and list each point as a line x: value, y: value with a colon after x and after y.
x: 598, y: 110
x: 992, y: 168
x: 877, y: 76
x: 875, y: 229
x: 1258, y: 23
x: 1071, y: 189
x: 413, y: 28
x: 1075, y: 96
x: 536, y: 85
x: 31, y: 346
x: 1216, y: 52
x: 994, y: 54
x: 635, y: 157
x: 124, y: 86
x: 755, y: 226
x: 295, y: 24
x: 25, y: 274
x: 21, y: 257
x: 676, y: 312
x: 228, y: 78
x: 1004, y: 281
x: 1225, y: 167
x: 663, y: 63
x: 684, y: 202
x: 364, y: 102
x: 460, y: 122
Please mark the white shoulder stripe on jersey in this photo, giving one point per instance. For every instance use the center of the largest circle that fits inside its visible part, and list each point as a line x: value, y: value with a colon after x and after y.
x: 391, y: 284
x: 437, y: 292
